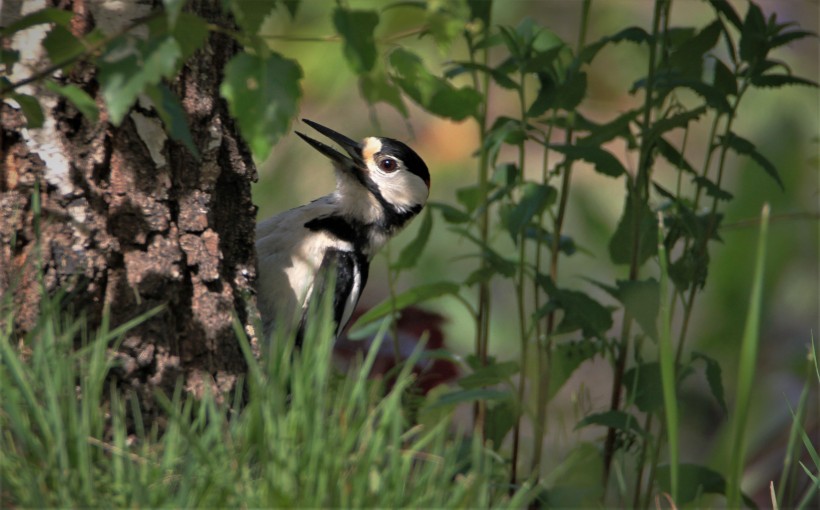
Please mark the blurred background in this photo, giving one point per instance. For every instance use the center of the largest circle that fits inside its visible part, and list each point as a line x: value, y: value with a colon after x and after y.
x: 783, y: 123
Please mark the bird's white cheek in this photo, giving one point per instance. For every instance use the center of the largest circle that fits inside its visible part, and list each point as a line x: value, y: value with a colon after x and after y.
x: 405, y: 192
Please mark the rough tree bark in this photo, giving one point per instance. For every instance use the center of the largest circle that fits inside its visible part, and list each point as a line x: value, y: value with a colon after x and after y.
x: 130, y: 219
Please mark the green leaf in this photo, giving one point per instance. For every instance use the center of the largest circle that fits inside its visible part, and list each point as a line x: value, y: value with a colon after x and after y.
x: 695, y: 480
x: 480, y: 9
x: 499, y: 420
x: 787, y: 37
x: 505, y: 130
x: 603, y: 133
x: 292, y: 6
x: 603, y: 161
x: 641, y: 300
x: 409, y: 256
x: 643, y: 385
x: 190, y: 32
x: 498, y: 76
x: 566, y: 244
x: 413, y: 296
x: 724, y: 79
x: 376, y: 88
x: 124, y: 79
x: 49, y: 15
x: 713, y: 96
x: 780, y: 80
x: 432, y: 93
x: 356, y: 29
x: 713, y: 378
x: 635, y: 35
x: 622, y: 241
x: 753, y: 43
x: 61, y: 45
x: 489, y: 375
x: 566, y: 358
x: 463, y: 396
x: 671, y: 154
x: 535, y: 197
x: 446, y: 20
x: 471, y: 197
x: 566, y: 94
x: 618, y: 420
x: 8, y: 58
x: 676, y: 121
x: 31, y: 109
x: 725, y: 8
x: 78, y: 97
x: 173, y: 116
x: 250, y: 14
x: 450, y: 213
x: 263, y: 94
x: 744, y: 147
x: 711, y: 188
x: 687, y: 57
x: 580, y: 311
x: 172, y: 10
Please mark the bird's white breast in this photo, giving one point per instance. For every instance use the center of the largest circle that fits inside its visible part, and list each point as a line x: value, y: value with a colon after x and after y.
x: 289, y: 256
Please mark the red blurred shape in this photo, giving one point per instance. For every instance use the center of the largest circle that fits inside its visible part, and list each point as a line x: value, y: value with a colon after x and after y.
x: 413, y: 323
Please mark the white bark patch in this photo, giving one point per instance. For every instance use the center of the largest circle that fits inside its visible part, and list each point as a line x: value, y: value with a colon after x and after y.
x: 45, y: 141
x: 153, y: 135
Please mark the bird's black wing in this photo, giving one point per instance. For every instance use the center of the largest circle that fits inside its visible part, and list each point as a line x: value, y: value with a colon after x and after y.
x: 350, y: 271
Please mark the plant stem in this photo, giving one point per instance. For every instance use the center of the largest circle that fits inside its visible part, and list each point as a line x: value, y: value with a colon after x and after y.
x: 542, y: 389
x: 519, y: 287
x: 639, y: 192
x: 483, y: 312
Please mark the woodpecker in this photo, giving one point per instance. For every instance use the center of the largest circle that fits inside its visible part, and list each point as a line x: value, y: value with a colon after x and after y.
x: 381, y: 185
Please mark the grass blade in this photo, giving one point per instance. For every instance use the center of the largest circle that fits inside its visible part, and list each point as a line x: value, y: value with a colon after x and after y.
x: 666, y: 354
x: 746, y: 372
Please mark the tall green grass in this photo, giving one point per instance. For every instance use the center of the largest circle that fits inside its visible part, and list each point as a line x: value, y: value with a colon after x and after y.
x: 297, y: 434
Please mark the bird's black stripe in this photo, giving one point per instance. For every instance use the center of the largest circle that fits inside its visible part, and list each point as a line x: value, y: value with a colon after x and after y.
x: 345, y: 264
x: 393, y: 218
x: 342, y: 228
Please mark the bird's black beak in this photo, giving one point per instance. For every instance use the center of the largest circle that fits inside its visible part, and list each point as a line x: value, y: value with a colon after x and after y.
x: 354, y: 149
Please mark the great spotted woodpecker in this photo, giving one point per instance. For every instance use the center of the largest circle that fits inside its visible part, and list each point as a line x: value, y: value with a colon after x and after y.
x: 381, y: 184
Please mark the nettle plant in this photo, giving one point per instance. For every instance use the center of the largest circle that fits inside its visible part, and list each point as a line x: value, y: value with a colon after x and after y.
x: 692, y: 74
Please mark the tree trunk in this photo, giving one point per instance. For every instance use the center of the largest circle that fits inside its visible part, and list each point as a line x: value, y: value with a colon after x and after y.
x: 131, y: 219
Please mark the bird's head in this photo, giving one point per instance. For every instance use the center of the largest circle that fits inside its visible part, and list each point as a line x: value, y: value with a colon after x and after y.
x: 380, y: 180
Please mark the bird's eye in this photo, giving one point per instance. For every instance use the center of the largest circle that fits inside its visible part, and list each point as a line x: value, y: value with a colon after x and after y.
x: 388, y: 165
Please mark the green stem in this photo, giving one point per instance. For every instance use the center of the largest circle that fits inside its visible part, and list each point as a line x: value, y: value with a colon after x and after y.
x: 519, y: 288
x: 483, y: 312
x: 639, y: 191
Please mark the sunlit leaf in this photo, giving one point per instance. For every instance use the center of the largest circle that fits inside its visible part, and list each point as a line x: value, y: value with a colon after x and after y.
x: 431, y: 92
x: 250, y: 14
x: 124, y: 79
x: 377, y: 88
x: 263, y: 95
x: 356, y: 28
